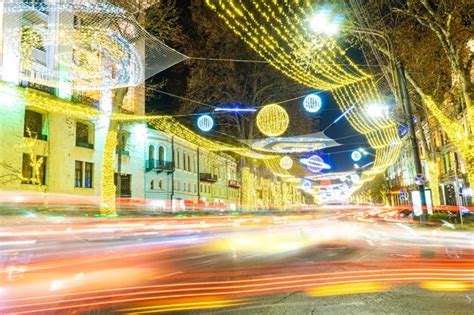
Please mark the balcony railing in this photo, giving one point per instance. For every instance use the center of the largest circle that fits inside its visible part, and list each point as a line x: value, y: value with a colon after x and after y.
x: 39, y: 5
x: 85, y: 145
x: 35, y: 135
x: 85, y: 100
x: 39, y: 56
x: 37, y: 86
x: 233, y: 183
x: 158, y: 165
x: 207, y: 177
x: 123, y: 152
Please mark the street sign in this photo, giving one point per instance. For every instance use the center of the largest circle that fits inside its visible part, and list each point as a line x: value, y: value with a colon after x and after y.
x: 419, y: 179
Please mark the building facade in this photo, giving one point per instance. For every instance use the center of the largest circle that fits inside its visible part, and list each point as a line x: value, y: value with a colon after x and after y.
x: 187, y: 176
x: 43, y: 146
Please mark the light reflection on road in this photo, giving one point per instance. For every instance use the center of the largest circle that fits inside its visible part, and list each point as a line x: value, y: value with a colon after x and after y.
x: 168, y: 264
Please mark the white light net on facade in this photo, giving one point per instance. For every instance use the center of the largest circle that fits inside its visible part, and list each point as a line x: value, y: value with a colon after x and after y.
x: 82, y: 44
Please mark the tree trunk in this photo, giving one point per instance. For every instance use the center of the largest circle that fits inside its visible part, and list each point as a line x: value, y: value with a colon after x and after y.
x: 108, y: 160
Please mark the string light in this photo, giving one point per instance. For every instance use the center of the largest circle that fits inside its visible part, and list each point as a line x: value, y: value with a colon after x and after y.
x: 272, y: 120
x: 278, y: 32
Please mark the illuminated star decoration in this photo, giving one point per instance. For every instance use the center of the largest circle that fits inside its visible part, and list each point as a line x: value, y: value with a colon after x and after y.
x: 272, y: 120
x: 315, y: 164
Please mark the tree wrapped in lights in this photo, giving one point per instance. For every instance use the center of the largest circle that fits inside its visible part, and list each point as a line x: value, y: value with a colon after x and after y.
x: 434, y: 41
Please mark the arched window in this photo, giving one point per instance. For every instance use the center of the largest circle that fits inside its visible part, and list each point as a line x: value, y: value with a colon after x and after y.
x: 161, y: 155
x: 184, y: 161
x: 151, y: 152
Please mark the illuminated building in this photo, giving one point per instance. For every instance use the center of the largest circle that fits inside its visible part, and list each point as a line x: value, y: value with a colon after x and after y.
x: 59, y: 64
x: 187, y: 175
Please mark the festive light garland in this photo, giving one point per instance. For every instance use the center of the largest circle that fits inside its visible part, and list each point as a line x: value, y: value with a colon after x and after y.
x: 277, y: 31
x: 272, y: 120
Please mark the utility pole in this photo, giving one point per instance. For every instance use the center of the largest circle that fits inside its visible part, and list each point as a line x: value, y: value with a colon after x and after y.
x: 119, y: 162
x: 198, y: 176
x: 172, y: 173
x: 405, y: 98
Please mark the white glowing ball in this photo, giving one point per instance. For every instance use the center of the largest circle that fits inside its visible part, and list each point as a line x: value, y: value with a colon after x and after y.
x: 312, y: 103
x: 205, y: 123
x: 286, y: 162
x: 356, y: 156
x: 355, y: 178
x: 306, y: 184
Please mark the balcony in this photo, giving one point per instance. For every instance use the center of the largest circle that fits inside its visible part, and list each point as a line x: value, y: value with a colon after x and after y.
x: 37, y: 86
x: 85, y: 145
x: 207, y: 177
x: 35, y: 135
x: 39, y: 56
x: 123, y: 152
x: 85, y: 100
x: 159, y: 165
x: 38, y: 5
x: 233, y: 184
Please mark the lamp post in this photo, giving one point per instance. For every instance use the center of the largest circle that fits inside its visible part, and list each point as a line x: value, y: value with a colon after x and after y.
x: 399, y: 79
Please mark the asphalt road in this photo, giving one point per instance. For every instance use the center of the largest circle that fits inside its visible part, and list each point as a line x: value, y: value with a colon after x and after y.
x: 302, y: 264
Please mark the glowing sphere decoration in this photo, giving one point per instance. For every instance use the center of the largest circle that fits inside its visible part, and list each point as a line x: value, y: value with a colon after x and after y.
x: 272, y: 120
x: 315, y: 164
x: 312, y: 103
x: 356, y: 156
x: 205, y: 123
x: 286, y: 162
x: 355, y: 178
x: 306, y: 184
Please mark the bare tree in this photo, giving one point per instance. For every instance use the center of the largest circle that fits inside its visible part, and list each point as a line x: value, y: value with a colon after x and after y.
x: 432, y: 39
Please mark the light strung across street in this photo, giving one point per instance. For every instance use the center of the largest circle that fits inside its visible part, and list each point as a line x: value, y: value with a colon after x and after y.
x: 299, y: 40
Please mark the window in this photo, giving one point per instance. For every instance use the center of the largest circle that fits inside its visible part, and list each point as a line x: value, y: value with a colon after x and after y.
x: 152, y: 184
x: 189, y: 163
x: 33, y: 172
x: 83, y: 135
x: 161, y: 155
x: 88, y: 174
x: 184, y: 161
x: 84, y: 173
x: 78, y: 174
x: 189, y: 187
x: 33, y: 126
x: 122, y: 142
x: 177, y: 159
x: 160, y: 184
x: 151, y: 152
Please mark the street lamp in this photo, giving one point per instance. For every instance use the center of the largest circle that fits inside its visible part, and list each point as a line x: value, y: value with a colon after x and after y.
x: 324, y: 22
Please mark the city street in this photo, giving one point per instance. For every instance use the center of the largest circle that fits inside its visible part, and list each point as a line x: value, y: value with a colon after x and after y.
x: 316, y: 262
x: 236, y: 157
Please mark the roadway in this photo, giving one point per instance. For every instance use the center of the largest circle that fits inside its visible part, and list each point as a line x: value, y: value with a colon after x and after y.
x: 329, y: 262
